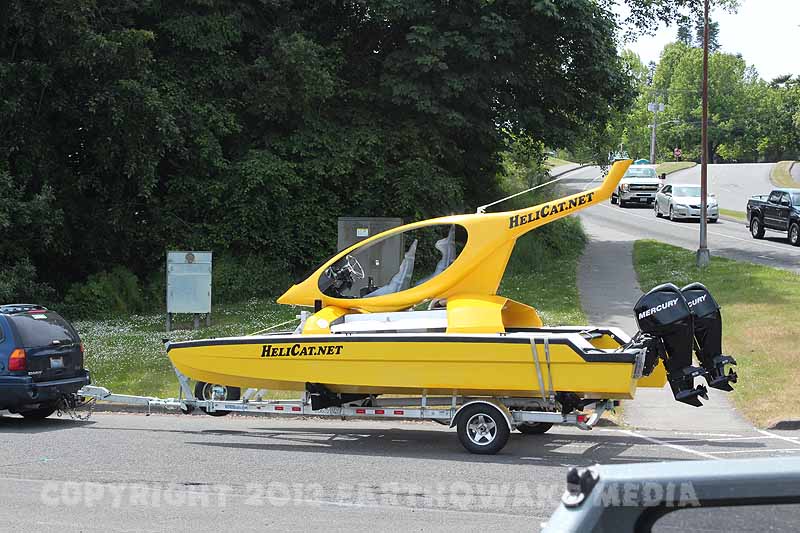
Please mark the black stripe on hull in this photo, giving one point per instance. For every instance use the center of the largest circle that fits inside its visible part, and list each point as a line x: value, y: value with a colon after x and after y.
x: 590, y: 357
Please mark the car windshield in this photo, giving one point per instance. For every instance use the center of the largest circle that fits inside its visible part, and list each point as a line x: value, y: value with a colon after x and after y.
x: 686, y: 191
x: 634, y: 172
x: 796, y: 198
x: 41, y: 329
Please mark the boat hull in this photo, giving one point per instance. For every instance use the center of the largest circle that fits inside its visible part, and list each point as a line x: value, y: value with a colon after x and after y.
x: 436, y: 364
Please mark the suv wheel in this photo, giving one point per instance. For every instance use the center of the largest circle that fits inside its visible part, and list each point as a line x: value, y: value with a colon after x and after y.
x: 756, y: 228
x: 794, y: 234
x: 40, y: 413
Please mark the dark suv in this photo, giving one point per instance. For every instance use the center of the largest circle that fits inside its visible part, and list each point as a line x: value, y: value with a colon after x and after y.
x: 41, y: 360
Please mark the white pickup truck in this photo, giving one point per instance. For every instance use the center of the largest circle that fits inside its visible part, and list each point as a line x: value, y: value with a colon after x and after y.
x: 639, y: 185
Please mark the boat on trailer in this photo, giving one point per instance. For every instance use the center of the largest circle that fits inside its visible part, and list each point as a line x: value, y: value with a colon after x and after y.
x: 438, y: 330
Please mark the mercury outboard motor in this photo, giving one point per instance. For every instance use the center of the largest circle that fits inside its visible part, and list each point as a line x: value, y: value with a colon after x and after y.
x: 708, y: 336
x: 664, y: 315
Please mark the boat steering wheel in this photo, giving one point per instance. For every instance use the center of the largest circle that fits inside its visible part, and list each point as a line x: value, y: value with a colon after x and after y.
x: 354, y: 267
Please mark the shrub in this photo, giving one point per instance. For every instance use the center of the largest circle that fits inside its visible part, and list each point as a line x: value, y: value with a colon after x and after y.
x: 108, y: 293
x: 238, y: 278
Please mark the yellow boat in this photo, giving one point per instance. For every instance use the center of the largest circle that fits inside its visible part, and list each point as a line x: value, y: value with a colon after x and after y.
x: 438, y: 326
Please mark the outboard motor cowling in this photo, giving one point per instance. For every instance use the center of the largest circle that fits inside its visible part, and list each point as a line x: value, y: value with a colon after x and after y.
x: 664, y: 314
x: 708, y: 336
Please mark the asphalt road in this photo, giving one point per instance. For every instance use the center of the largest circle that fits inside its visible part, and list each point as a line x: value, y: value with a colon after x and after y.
x: 725, y: 238
x: 128, y: 472
x: 732, y: 184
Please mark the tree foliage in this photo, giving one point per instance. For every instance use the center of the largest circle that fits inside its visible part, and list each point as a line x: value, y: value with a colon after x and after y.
x: 247, y: 127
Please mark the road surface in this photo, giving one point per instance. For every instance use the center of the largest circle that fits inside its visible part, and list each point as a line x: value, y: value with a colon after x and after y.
x: 725, y: 238
x: 732, y: 184
x: 129, y: 472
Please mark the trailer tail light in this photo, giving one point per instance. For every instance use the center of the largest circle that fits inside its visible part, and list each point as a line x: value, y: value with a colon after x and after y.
x: 17, y: 361
x: 379, y: 411
x: 582, y: 419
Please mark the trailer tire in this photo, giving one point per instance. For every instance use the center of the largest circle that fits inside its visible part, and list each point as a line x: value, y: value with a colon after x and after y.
x: 482, y: 429
x: 534, y: 428
x: 204, y: 391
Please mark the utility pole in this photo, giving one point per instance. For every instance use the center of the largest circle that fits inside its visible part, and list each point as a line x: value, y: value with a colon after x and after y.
x: 655, y: 108
x: 703, y: 255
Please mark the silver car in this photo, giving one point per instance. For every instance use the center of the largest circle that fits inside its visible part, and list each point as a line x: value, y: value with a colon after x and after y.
x: 682, y: 201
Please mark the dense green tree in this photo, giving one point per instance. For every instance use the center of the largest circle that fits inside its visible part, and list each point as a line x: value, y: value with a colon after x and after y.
x: 248, y: 126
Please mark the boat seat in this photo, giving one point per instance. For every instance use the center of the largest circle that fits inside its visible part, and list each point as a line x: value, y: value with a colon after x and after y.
x: 402, y: 280
x: 447, y: 248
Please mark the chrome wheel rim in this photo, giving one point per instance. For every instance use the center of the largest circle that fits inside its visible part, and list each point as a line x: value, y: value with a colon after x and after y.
x: 481, y: 429
x: 215, y: 392
x: 795, y: 234
x: 754, y: 226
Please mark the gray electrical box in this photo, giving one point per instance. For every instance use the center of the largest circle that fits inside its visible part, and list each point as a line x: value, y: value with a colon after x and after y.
x: 188, y: 284
x: 380, y: 261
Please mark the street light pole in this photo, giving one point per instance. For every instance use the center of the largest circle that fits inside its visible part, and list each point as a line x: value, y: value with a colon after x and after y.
x: 655, y: 107
x: 703, y: 255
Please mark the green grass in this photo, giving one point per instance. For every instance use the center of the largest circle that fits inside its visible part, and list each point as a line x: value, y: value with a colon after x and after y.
x: 673, y: 166
x: 760, y: 326
x: 552, y: 162
x: 545, y: 277
x: 738, y: 215
x: 127, y: 356
x: 781, y: 175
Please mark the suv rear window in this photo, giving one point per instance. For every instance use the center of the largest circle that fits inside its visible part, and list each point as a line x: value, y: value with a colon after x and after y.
x: 41, y: 329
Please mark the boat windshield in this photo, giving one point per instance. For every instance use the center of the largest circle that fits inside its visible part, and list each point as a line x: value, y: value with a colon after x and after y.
x: 394, y: 263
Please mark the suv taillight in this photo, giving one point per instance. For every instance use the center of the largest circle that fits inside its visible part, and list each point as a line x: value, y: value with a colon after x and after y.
x: 17, y: 361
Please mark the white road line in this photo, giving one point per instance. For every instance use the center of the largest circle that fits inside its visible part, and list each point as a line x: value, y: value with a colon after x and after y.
x: 694, y: 230
x: 793, y: 440
x: 668, y: 445
x: 727, y: 439
x: 763, y: 450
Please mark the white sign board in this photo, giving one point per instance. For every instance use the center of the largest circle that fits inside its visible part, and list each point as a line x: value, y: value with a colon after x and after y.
x: 188, y: 282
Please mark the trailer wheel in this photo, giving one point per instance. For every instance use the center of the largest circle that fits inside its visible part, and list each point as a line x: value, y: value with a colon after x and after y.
x: 210, y: 391
x: 482, y: 429
x: 534, y: 428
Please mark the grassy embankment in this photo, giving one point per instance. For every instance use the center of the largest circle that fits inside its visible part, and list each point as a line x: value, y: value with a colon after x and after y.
x: 673, y: 166
x: 760, y: 326
x: 781, y: 175
x: 738, y: 215
x: 552, y: 162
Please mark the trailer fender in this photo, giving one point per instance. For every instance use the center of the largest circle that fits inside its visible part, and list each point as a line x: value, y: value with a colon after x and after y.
x: 494, y: 403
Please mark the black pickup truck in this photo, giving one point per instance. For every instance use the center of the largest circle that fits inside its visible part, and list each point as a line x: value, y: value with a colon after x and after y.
x: 780, y: 211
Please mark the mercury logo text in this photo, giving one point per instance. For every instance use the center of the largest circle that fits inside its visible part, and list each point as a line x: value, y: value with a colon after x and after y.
x: 656, y: 309
x: 268, y: 350
x: 698, y: 300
